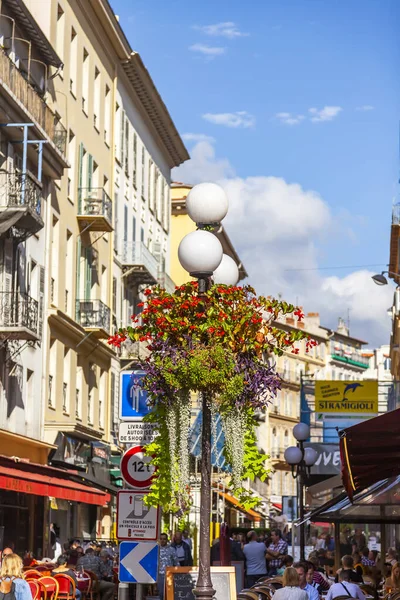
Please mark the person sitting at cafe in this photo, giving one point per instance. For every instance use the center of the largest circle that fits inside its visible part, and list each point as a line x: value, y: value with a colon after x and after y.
x: 62, y: 568
x: 392, y: 583
x: 91, y: 562
x: 345, y: 587
x: 357, y: 564
x: 316, y: 579
x: 348, y: 565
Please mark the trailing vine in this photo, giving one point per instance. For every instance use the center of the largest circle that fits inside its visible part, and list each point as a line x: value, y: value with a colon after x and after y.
x: 217, y: 344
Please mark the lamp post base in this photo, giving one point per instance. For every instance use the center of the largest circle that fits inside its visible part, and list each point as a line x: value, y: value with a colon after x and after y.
x: 204, y: 593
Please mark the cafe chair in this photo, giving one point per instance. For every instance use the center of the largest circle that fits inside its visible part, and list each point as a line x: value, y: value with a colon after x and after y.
x: 52, y: 586
x: 94, y: 585
x: 369, y: 590
x: 67, y: 587
x: 31, y: 574
x: 247, y: 595
x: 35, y: 589
x: 262, y: 593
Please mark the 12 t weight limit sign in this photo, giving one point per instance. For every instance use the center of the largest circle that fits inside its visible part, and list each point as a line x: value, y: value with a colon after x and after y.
x: 136, y: 468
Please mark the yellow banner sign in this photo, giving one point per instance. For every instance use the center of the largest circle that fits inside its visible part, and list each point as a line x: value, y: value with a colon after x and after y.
x: 346, y: 396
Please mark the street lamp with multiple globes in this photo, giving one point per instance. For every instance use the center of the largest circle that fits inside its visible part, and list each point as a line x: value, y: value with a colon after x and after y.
x: 200, y: 253
x: 301, y: 460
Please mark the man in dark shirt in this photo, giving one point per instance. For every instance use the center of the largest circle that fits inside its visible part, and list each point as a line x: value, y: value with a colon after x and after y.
x: 347, y: 565
x: 93, y: 563
x: 182, y: 550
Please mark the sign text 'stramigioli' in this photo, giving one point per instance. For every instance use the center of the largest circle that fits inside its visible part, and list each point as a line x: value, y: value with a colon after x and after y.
x: 346, y: 396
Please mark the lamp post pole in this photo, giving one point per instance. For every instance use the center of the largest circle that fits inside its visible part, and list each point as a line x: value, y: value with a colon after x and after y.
x: 200, y: 253
x: 301, y: 460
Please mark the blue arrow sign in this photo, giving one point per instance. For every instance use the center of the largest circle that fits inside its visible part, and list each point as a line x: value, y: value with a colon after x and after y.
x: 138, y: 562
x: 133, y: 404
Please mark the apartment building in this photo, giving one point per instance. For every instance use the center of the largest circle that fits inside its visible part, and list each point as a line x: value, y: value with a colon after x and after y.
x: 97, y: 179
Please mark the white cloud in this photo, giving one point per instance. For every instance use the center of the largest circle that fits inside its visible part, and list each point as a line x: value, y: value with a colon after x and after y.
x: 203, y: 166
x: 289, y: 118
x: 365, y: 107
x: 208, y: 51
x: 197, y: 137
x: 277, y: 226
x: 324, y: 114
x: 228, y: 30
x: 237, y: 119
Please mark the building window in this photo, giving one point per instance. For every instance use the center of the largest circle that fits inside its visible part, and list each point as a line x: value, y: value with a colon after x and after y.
x: 65, y: 398
x: 143, y: 171
x: 134, y: 158
x: 96, y: 99
x: 107, y: 115
x: 85, y: 82
x: 73, y: 62
x: 78, y: 407
x: 50, y: 392
x: 60, y: 32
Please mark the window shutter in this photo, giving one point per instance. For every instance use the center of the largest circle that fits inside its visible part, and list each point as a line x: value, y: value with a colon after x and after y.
x: 41, y: 300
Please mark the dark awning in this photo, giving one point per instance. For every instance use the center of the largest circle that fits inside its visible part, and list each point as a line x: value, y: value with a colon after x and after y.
x: 370, y: 452
x: 380, y: 503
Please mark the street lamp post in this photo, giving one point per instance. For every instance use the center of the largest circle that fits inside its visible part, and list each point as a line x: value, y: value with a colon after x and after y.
x: 200, y: 253
x: 301, y: 460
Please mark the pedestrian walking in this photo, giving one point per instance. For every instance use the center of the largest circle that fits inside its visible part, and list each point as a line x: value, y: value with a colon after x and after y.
x: 167, y: 558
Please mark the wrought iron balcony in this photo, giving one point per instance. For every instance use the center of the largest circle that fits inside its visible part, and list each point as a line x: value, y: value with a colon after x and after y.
x: 94, y: 316
x: 139, y: 264
x: 351, y: 358
x: 20, y: 204
x: 11, y: 79
x: 94, y: 209
x: 19, y: 316
x: 165, y: 281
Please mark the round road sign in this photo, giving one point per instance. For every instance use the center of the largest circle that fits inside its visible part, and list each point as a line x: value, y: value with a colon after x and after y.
x: 136, y: 469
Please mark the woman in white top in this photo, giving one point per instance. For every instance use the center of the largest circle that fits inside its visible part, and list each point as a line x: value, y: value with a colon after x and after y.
x: 291, y: 589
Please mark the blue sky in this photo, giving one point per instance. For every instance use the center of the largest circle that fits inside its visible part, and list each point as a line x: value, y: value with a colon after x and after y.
x: 294, y: 106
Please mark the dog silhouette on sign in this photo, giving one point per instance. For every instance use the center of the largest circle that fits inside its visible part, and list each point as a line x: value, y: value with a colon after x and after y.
x: 350, y: 387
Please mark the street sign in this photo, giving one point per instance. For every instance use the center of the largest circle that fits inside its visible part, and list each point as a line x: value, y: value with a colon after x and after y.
x: 138, y: 562
x: 136, y: 520
x: 133, y: 404
x: 138, y: 433
x: 136, y: 469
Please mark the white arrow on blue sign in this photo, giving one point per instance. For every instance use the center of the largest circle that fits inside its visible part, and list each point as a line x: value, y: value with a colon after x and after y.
x: 133, y: 398
x: 138, y: 562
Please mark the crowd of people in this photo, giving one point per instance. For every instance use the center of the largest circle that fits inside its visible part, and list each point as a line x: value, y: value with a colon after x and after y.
x: 97, y: 559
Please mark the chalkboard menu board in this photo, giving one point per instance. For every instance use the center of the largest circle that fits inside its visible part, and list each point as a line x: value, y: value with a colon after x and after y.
x: 181, y: 581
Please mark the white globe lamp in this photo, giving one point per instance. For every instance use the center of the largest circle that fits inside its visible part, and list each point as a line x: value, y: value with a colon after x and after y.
x: 293, y: 455
x: 207, y: 204
x: 301, y: 432
x: 310, y: 456
x: 200, y: 253
x: 227, y: 273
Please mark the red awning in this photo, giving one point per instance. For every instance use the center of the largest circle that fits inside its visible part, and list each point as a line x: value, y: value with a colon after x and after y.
x: 17, y: 480
x: 276, y: 505
x: 370, y: 452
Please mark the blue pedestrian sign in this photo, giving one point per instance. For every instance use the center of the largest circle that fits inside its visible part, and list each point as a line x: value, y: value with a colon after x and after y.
x: 138, y: 562
x: 133, y: 398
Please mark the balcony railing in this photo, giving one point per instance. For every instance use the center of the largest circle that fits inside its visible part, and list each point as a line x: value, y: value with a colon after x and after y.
x: 12, y: 78
x: 135, y: 254
x: 93, y: 314
x: 277, y: 453
x: 351, y: 358
x: 20, y: 190
x: 95, y: 205
x: 165, y: 281
x: 19, y: 315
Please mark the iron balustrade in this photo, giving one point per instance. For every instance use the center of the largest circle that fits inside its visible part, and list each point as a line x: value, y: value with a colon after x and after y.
x: 12, y: 79
x: 18, y: 310
x: 137, y: 254
x: 11, y: 194
x: 94, y: 202
x: 93, y: 314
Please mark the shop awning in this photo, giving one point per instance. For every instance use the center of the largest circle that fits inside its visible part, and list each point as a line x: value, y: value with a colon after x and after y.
x: 38, y: 484
x: 377, y: 504
x: 370, y: 452
x: 235, y: 502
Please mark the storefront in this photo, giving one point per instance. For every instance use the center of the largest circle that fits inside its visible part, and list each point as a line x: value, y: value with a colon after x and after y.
x: 29, y: 497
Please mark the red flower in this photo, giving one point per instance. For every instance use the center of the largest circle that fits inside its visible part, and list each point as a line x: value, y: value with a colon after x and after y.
x: 211, y: 329
x: 140, y: 304
x: 147, y: 292
x: 299, y: 314
x: 295, y: 351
